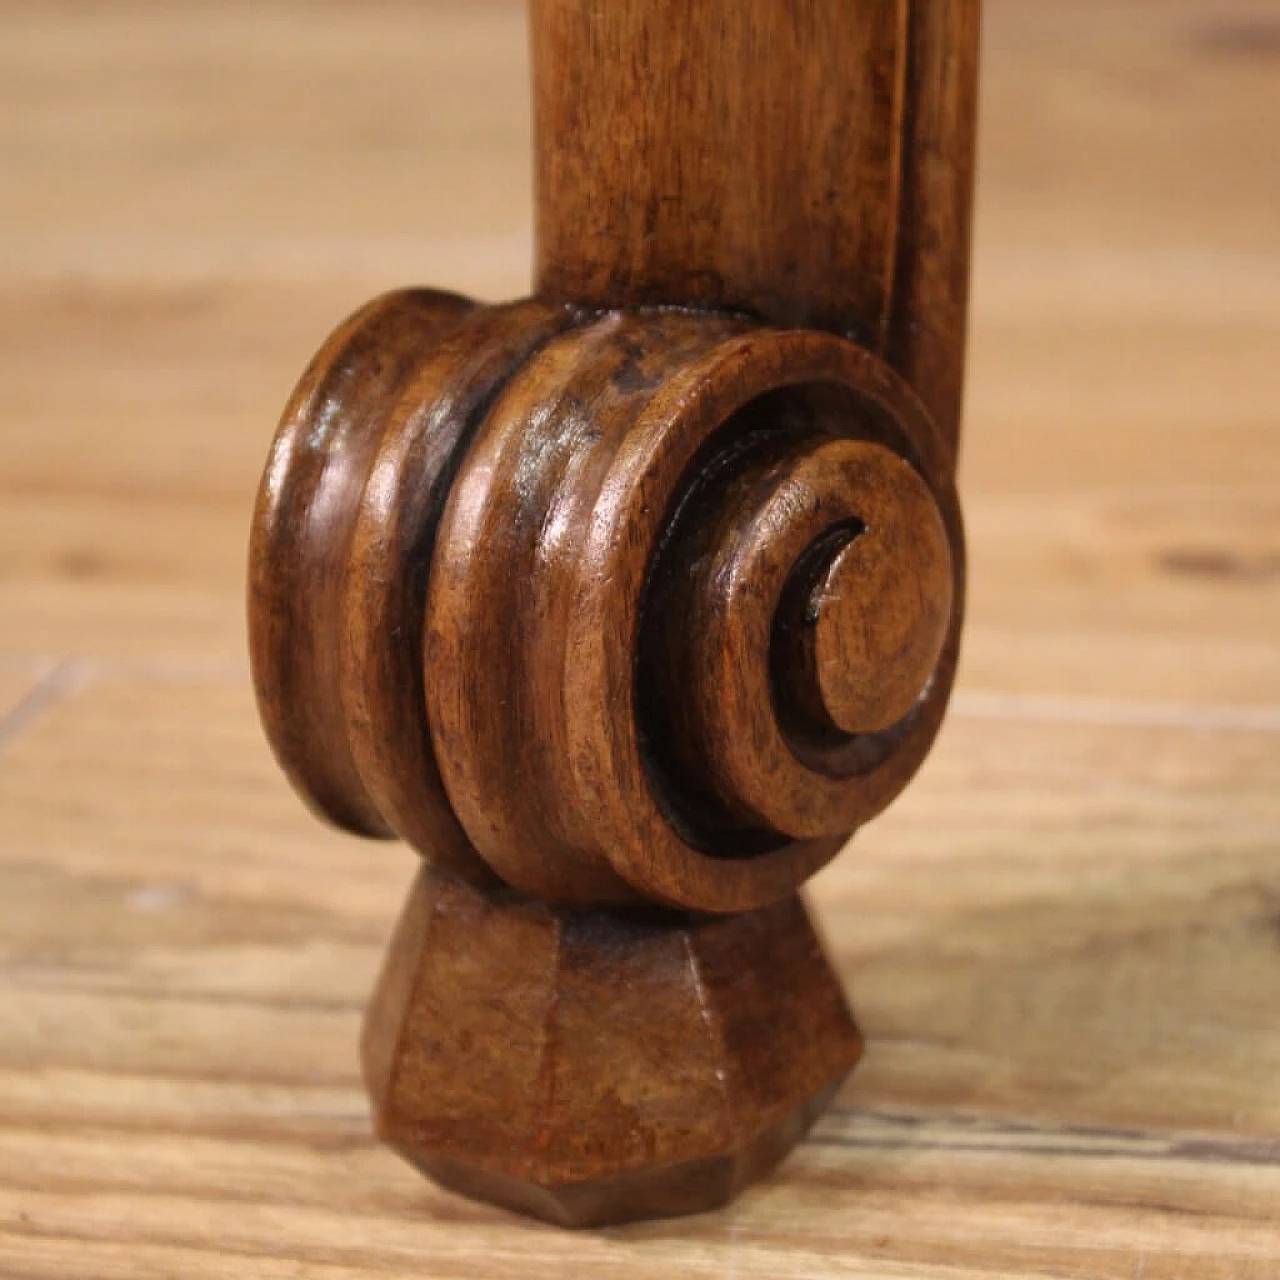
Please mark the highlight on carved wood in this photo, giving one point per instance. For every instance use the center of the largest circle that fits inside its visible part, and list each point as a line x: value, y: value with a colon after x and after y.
x: 627, y: 603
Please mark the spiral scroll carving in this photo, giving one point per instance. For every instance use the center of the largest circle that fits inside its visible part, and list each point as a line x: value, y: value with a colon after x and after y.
x: 610, y: 607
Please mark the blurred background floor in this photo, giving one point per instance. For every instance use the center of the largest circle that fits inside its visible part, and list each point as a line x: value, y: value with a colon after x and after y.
x: 1063, y: 942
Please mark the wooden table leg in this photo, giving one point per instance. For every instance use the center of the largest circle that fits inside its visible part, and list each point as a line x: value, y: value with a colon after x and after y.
x: 627, y: 603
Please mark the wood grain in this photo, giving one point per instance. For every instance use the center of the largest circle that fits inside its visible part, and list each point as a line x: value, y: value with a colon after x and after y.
x: 1063, y: 1070
x: 592, y: 1068
x: 1061, y: 943
x: 634, y: 595
x: 761, y: 140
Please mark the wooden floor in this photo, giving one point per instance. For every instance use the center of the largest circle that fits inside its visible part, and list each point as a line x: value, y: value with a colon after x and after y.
x: 1064, y: 942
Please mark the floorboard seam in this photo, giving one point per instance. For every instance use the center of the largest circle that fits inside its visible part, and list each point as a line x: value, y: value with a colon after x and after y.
x: 60, y: 683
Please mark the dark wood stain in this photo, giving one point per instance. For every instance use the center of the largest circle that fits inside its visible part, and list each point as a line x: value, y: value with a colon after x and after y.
x: 626, y: 604
x: 1244, y: 38
x: 1220, y: 563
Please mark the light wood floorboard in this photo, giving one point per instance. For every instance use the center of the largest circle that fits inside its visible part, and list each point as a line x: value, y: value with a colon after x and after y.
x: 1063, y: 942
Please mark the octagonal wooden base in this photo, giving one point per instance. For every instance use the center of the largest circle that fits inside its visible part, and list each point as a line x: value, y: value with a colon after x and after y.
x: 592, y: 1067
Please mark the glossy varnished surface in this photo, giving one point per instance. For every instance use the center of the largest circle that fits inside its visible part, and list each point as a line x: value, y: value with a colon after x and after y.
x: 626, y: 598
x: 1061, y: 944
x: 553, y: 588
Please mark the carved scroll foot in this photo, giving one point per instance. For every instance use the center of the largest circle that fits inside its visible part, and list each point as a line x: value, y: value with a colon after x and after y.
x: 594, y: 1066
x: 639, y: 596
x: 614, y: 616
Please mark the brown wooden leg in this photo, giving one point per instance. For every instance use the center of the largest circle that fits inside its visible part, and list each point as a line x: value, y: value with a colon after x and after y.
x: 627, y: 603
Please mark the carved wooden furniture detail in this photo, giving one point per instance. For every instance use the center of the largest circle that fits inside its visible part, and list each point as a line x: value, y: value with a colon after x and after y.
x: 625, y: 604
